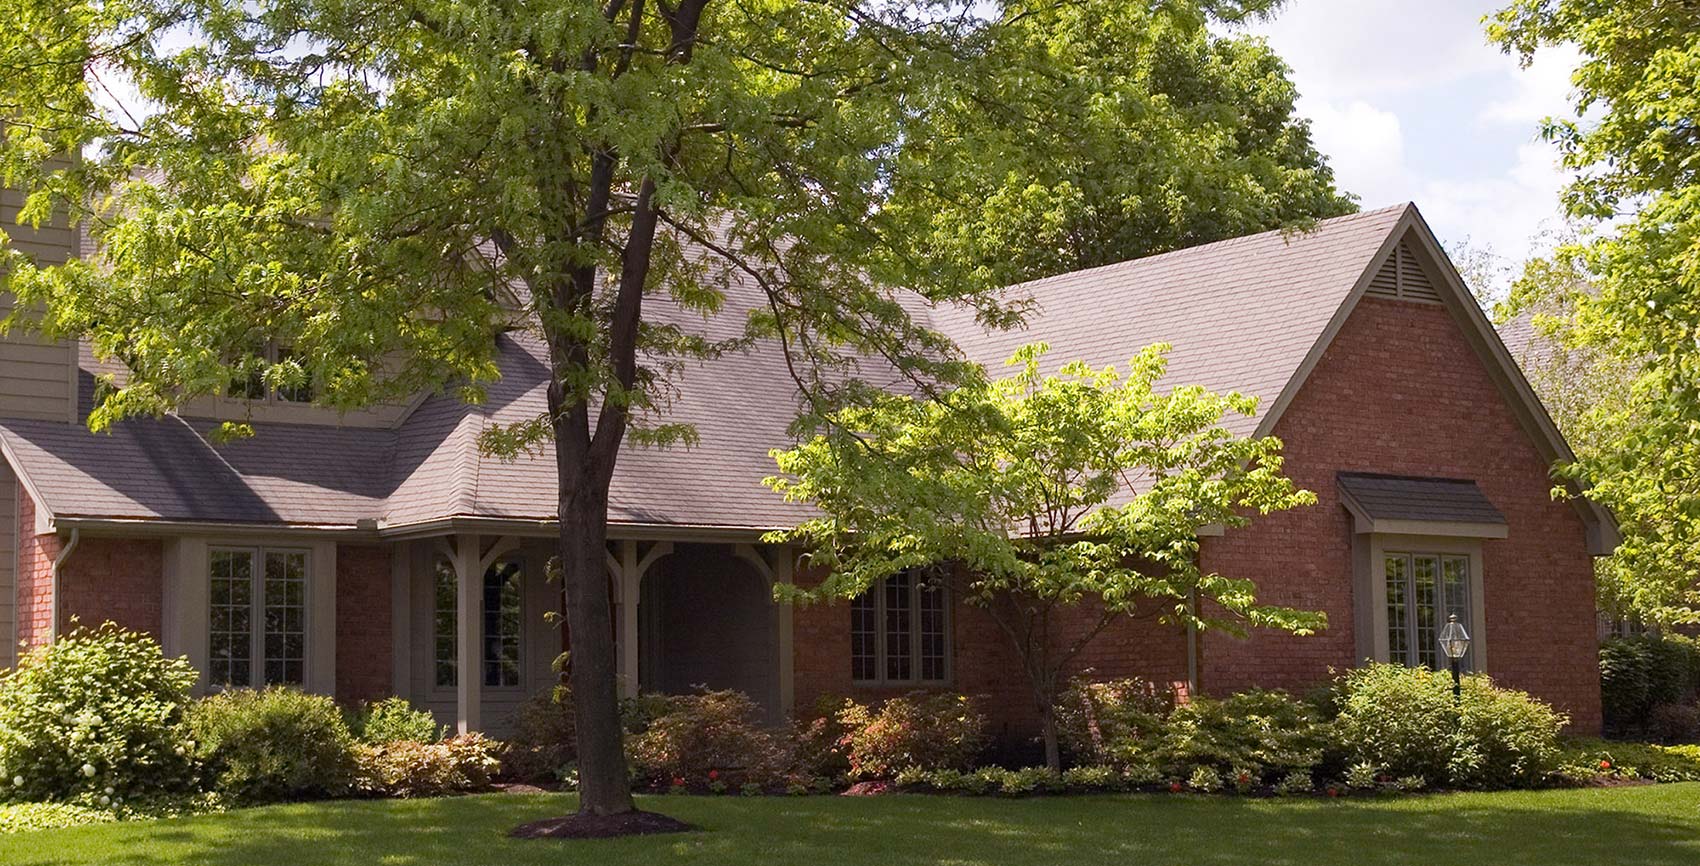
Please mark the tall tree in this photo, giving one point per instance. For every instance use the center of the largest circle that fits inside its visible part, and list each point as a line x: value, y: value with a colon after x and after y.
x: 1036, y: 494
x: 1637, y: 156
x: 361, y: 181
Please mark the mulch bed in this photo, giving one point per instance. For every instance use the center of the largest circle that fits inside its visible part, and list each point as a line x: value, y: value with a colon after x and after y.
x: 584, y: 826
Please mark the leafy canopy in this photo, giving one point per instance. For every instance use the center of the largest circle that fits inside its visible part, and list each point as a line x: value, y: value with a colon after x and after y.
x: 1082, y: 483
x: 1629, y: 292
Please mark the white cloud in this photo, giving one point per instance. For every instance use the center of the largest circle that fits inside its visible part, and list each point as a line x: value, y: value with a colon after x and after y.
x: 1365, y: 145
x: 1542, y: 90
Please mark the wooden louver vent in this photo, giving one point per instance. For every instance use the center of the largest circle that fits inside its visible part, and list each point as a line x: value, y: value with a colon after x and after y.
x: 1402, y: 278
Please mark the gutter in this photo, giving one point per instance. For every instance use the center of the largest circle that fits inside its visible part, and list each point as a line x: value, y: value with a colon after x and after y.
x: 58, y: 562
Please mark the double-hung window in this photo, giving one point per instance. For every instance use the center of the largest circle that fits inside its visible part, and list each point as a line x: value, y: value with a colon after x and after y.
x: 503, y: 589
x: 257, y: 633
x: 899, y: 631
x: 1423, y: 589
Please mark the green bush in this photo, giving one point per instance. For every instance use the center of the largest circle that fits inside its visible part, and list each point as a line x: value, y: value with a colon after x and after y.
x: 1261, y: 733
x: 1674, y: 723
x: 544, y: 742
x: 1405, y: 721
x: 275, y: 744
x: 98, y: 709
x: 1642, y: 672
x: 1113, y: 722
x: 920, y: 729
x: 409, y: 768
x: 394, y: 720
x: 1585, y: 760
x: 714, y: 738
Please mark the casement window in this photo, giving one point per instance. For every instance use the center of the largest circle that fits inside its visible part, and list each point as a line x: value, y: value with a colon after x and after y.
x: 503, y: 588
x: 1423, y: 589
x: 899, y: 631
x: 253, y: 387
x: 257, y: 633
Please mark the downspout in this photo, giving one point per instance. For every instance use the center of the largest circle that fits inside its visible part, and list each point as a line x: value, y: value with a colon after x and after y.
x: 58, y: 561
x: 1192, y: 647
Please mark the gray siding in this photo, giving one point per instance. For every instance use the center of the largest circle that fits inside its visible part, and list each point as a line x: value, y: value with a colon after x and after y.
x: 37, y: 378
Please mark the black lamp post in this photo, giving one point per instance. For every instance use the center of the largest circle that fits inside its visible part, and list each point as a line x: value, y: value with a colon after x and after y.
x: 1454, y: 643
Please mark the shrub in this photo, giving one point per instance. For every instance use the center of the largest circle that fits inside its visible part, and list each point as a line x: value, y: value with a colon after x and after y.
x: 1296, y: 782
x: 1405, y: 721
x: 99, y: 708
x: 1363, y: 776
x: 394, y: 720
x: 1205, y: 779
x: 275, y: 744
x: 1113, y: 722
x: 920, y: 729
x: 715, y: 736
x: 544, y: 741
x: 1674, y: 723
x: 1261, y: 732
x: 1585, y: 760
x: 1639, y: 673
x: 817, y: 749
x: 409, y: 768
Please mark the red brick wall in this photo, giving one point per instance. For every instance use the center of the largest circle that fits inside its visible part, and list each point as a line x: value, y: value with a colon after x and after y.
x: 363, y: 660
x: 117, y: 579
x: 1400, y: 391
x: 34, y: 578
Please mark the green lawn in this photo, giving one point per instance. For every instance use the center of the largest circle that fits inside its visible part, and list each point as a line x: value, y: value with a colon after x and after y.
x: 1647, y: 826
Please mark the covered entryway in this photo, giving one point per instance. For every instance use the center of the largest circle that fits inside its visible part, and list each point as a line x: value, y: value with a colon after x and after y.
x: 707, y: 619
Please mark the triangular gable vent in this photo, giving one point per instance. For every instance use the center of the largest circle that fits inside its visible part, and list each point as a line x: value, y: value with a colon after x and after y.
x: 1402, y: 278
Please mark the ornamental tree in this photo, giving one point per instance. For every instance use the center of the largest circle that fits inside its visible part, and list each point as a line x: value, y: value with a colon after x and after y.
x: 380, y: 187
x: 1628, y: 292
x: 1040, y: 493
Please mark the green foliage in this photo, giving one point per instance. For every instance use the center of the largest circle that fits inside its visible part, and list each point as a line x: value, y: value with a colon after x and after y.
x: 394, y: 720
x: 274, y: 744
x: 715, y: 737
x: 931, y: 731
x: 543, y: 741
x: 99, y: 712
x: 1640, y: 673
x: 1261, y: 733
x: 414, y: 768
x: 1114, y: 722
x: 1405, y: 722
x: 1296, y: 782
x: 1204, y: 779
x: 1585, y: 760
x: 1637, y: 192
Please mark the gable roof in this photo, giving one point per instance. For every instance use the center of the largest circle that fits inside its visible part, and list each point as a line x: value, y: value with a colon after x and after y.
x: 1251, y: 314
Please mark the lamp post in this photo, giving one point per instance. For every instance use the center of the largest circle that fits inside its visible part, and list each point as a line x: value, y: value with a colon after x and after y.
x: 1454, y: 643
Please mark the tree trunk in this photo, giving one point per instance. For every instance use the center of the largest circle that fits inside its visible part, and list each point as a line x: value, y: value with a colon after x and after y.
x: 604, y: 785
x: 1048, y: 720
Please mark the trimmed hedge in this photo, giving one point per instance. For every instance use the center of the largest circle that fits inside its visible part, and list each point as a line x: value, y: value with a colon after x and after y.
x: 275, y: 744
x: 1639, y: 674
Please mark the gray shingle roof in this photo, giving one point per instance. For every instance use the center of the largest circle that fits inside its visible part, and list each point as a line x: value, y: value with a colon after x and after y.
x: 1241, y: 314
x: 1441, y: 500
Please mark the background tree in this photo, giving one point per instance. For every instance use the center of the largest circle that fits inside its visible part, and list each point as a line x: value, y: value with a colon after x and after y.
x: 1036, y: 493
x: 1637, y: 196
x: 362, y: 181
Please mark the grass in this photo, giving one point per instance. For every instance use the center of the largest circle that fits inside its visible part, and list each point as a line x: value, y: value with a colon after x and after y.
x: 1648, y: 826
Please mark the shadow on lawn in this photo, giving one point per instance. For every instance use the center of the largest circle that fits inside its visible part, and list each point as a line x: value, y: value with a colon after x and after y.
x: 1631, y: 826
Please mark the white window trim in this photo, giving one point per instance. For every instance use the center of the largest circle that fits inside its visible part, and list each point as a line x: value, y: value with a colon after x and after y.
x: 257, y: 613
x: 880, y: 656
x: 1371, y: 565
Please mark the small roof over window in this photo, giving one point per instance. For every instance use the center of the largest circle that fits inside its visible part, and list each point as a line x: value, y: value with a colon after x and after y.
x: 1409, y: 505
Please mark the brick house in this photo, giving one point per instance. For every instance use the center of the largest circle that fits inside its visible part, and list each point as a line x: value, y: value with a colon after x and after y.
x: 379, y: 552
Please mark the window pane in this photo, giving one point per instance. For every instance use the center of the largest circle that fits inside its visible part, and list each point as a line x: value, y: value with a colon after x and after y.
x: 285, y: 615
x: 229, y: 636
x: 932, y: 632
x: 1398, y: 634
x: 502, y: 593
x: 1425, y: 582
x: 864, y: 634
x: 899, y: 613
x: 443, y: 621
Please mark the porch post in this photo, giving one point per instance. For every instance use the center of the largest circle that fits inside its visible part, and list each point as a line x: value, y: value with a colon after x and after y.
x: 631, y: 582
x: 784, y: 572
x: 469, y: 634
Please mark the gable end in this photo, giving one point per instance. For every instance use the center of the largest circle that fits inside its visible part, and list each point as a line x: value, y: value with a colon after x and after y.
x: 1402, y: 278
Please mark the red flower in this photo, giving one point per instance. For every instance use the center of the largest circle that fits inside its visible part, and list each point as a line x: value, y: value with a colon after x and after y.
x: 713, y: 775
x: 1333, y: 792
x: 678, y: 782
x: 1244, y: 778
x: 1605, y: 764
x: 1174, y: 787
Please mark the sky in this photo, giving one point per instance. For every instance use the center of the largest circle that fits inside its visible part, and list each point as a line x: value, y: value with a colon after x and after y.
x: 1410, y: 103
